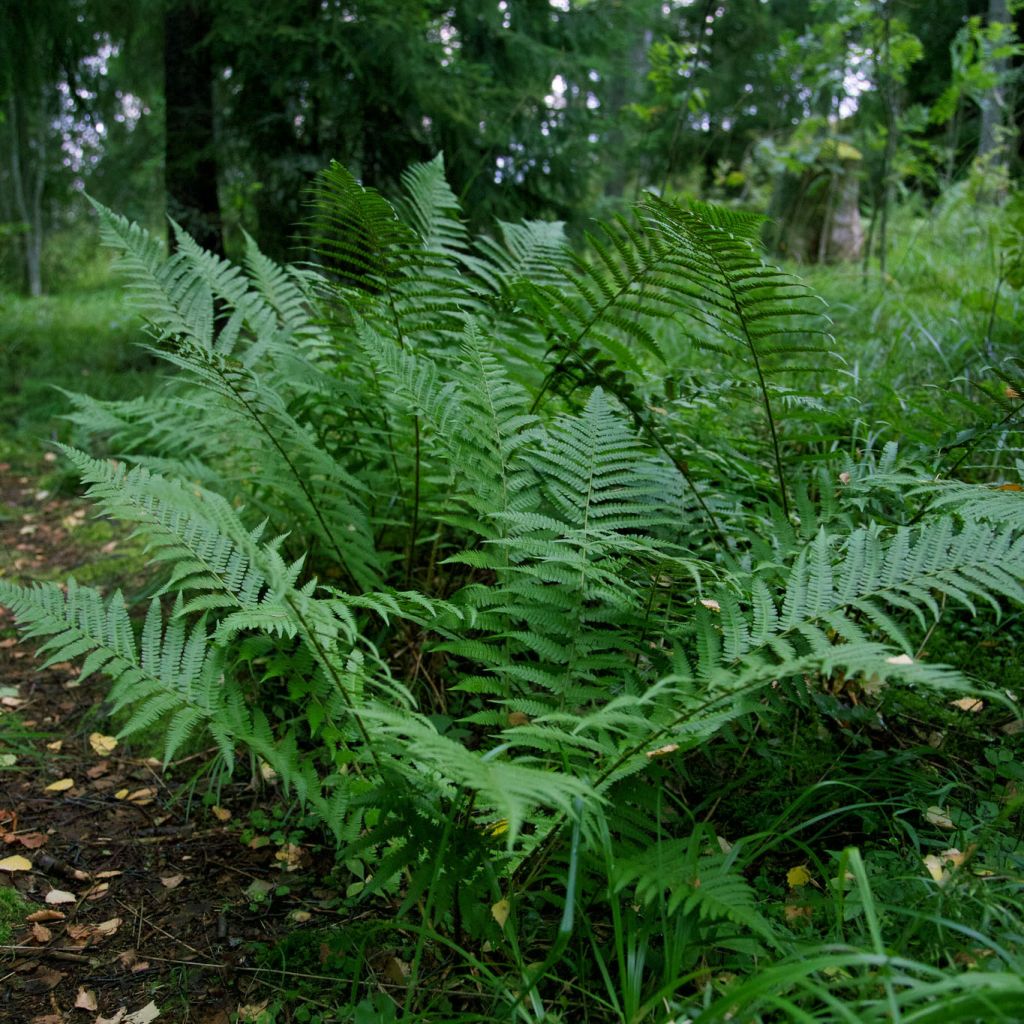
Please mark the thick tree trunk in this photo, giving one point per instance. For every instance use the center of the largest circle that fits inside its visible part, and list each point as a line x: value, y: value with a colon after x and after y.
x: 190, y: 171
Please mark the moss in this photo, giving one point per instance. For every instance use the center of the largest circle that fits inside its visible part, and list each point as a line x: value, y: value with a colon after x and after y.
x: 13, y: 910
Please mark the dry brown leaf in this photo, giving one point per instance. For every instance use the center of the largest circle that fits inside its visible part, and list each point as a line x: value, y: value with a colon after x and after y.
x: 31, y: 840
x: 142, y: 797
x: 85, y: 1000
x: 41, y: 933
x: 96, y: 892
x: 98, y: 770
x: 59, y: 786
x: 48, y: 1018
x: 221, y: 813
x: 102, y: 745
x: 15, y: 863
x: 171, y: 881
x: 45, y: 915
x: 107, y: 874
x: 42, y: 980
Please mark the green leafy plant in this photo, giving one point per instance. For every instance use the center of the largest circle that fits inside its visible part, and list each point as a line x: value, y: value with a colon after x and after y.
x: 463, y: 541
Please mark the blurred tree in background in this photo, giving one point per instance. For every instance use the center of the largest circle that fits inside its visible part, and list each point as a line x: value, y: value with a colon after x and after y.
x: 219, y: 113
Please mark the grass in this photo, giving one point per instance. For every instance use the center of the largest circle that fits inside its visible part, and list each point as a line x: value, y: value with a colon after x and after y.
x: 12, y: 913
x: 79, y: 340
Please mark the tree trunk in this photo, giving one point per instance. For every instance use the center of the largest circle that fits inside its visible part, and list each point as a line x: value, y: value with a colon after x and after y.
x: 993, y: 103
x: 28, y: 177
x: 190, y: 170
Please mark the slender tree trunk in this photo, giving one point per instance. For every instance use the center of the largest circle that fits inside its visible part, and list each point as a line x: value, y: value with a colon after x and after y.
x: 27, y: 183
x: 190, y: 170
x: 993, y: 103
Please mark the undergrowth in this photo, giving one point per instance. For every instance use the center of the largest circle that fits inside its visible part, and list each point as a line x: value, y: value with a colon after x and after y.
x: 589, y: 602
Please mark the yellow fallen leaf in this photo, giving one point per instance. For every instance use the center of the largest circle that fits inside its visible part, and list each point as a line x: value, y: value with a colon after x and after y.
x: 121, y: 794
x: 798, y: 876
x: 102, y: 745
x: 937, y: 816
x: 936, y: 866
x: 16, y: 863
x: 971, y: 704
x: 55, y: 746
x: 221, y: 813
x: 59, y: 786
x: 500, y: 912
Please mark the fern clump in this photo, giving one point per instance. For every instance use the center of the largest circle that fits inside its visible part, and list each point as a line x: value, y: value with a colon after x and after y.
x: 466, y: 507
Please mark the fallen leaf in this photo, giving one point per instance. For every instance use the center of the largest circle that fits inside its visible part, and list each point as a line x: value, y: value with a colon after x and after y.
x: 142, y: 797
x: 8, y: 760
x: 59, y: 786
x: 42, y: 980
x: 844, y: 478
x: 711, y: 604
x: 938, y: 817
x: 500, y: 911
x: 45, y: 915
x: 31, y: 840
x: 290, y: 856
x: 41, y: 933
x: 118, y: 1017
x: 172, y: 881
x: 85, y: 1000
x: 300, y: 916
x: 121, y: 794
x: 900, y: 659
x: 15, y: 863
x: 517, y: 718
x: 936, y: 868
x: 98, y: 770
x: 108, y: 928
x: 669, y: 748
x: 221, y: 813
x: 57, y: 896
x: 49, y: 1018
x: 970, y: 704
x: 102, y: 745
x: 794, y: 913
x: 267, y: 773
x: 252, y: 1011
x: 797, y: 877
x: 55, y: 746
x: 396, y: 971
x: 107, y: 874
x: 96, y: 892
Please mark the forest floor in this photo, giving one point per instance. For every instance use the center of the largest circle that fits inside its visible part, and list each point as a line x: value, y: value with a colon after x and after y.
x: 144, y: 905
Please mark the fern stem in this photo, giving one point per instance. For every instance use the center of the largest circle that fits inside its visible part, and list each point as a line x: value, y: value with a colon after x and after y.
x: 293, y: 469
x: 415, y: 525
x: 762, y: 383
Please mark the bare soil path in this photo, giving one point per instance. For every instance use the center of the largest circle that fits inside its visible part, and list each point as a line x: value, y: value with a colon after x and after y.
x: 144, y: 906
